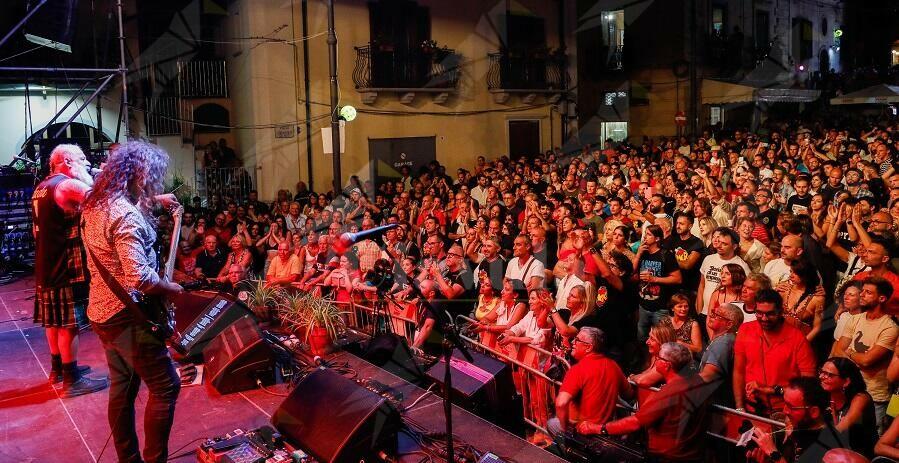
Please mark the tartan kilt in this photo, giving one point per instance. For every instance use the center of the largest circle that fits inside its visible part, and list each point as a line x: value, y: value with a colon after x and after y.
x: 63, y: 307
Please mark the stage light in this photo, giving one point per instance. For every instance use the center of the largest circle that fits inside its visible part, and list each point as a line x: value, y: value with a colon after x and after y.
x: 347, y: 113
x: 801, y: 67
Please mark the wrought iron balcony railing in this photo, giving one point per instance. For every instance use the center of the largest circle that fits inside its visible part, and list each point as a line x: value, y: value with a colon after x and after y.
x: 616, y: 58
x: 383, y: 66
x: 534, y: 70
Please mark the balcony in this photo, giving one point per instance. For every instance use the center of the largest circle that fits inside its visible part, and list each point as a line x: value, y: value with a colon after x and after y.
x: 202, y: 79
x: 527, y: 73
x: 616, y: 58
x: 384, y: 68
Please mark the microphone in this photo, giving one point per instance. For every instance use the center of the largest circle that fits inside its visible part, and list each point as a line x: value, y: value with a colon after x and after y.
x: 93, y: 171
x: 24, y: 159
x: 343, y: 243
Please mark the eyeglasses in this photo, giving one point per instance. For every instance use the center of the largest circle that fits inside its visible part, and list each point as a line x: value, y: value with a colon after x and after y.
x: 717, y: 315
x: 824, y: 374
x: 452, y: 254
x: 765, y: 314
x: 578, y: 340
x: 794, y: 407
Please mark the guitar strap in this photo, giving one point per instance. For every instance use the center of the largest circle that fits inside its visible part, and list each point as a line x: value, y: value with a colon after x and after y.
x: 117, y: 289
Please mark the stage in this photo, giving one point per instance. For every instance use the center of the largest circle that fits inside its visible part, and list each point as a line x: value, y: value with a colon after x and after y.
x: 37, y: 425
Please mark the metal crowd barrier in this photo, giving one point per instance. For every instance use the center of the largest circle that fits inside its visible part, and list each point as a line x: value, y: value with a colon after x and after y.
x: 538, y: 390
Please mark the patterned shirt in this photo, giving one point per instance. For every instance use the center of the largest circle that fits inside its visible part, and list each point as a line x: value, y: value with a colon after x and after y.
x: 121, y: 238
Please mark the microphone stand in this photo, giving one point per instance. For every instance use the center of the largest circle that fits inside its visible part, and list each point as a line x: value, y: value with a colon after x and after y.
x: 451, y: 339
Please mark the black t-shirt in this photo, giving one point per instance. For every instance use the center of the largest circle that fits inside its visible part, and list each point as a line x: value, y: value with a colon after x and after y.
x: 615, y: 313
x: 797, y: 204
x: 464, y: 303
x: 211, y: 265
x: 768, y: 219
x: 682, y: 249
x: 654, y: 296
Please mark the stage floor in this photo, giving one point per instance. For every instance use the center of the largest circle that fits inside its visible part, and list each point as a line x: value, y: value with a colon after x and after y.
x: 37, y: 425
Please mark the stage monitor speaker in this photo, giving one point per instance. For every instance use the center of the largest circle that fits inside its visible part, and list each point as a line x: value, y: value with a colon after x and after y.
x: 200, y: 316
x: 54, y: 24
x: 485, y: 386
x: 238, y: 357
x: 391, y: 352
x: 336, y: 420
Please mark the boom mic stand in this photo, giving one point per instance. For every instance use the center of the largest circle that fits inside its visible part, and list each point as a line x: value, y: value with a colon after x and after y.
x: 451, y: 339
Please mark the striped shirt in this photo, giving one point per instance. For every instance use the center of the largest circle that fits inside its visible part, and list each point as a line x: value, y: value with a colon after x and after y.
x: 121, y: 238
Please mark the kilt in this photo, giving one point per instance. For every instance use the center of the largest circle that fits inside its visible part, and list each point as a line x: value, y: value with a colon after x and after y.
x: 64, y: 307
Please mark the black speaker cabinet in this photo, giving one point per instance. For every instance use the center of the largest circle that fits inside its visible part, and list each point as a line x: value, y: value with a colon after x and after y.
x: 336, y: 420
x: 200, y: 316
x: 237, y: 357
x: 485, y: 387
x: 391, y: 352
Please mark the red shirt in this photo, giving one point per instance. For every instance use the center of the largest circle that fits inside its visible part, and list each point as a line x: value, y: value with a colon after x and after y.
x: 892, y: 306
x: 773, y: 358
x: 595, y: 383
x: 676, y: 419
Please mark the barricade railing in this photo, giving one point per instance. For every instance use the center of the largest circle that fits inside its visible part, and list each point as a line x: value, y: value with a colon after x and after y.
x: 538, y: 390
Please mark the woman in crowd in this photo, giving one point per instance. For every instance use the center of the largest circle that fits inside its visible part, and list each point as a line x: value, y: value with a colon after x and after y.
x: 707, y: 226
x: 659, y: 334
x: 729, y: 287
x: 751, y: 250
x: 851, y: 407
x: 276, y: 235
x: 621, y: 242
x: 686, y: 328
x: 341, y: 280
x: 849, y: 305
x: 803, y: 302
x: 509, y: 311
x: 239, y: 255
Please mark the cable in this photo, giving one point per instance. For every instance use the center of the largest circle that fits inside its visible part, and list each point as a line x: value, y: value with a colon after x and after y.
x: 20, y: 54
x: 240, y: 40
x: 419, y: 399
x: 15, y: 320
x: 172, y: 457
x: 266, y: 390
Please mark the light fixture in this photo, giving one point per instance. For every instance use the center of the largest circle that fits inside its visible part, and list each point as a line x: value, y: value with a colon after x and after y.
x: 347, y: 113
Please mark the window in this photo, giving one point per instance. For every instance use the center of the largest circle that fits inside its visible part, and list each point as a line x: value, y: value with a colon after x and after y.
x: 617, y: 131
x: 715, y: 115
x: 802, y: 39
x: 762, y: 28
x: 613, y: 37
x: 717, y: 20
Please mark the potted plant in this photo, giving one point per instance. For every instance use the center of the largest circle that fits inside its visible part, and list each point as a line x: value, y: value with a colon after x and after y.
x: 262, y: 299
x: 323, y: 323
x: 315, y: 320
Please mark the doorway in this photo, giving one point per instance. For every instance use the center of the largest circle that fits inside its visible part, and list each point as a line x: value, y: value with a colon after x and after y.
x: 524, y: 138
x: 388, y: 156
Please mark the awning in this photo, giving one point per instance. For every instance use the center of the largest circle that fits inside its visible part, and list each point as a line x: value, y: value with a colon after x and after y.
x: 719, y: 92
x: 877, y: 94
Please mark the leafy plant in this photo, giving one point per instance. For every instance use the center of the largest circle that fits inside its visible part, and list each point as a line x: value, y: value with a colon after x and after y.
x: 263, y: 299
x: 307, y: 312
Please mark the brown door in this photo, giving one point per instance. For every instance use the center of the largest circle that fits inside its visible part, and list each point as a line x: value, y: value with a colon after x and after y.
x: 524, y: 139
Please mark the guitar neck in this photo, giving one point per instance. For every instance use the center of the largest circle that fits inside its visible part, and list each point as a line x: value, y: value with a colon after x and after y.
x: 173, y: 248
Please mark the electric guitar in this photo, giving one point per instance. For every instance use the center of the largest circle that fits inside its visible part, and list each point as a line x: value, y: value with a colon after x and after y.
x: 160, y: 312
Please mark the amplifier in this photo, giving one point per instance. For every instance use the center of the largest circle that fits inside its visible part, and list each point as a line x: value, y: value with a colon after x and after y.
x: 211, y: 314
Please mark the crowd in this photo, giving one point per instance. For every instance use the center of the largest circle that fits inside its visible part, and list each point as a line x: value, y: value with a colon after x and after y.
x: 753, y: 270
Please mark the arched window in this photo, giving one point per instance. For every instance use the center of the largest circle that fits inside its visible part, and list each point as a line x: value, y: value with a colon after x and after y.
x: 211, y: 118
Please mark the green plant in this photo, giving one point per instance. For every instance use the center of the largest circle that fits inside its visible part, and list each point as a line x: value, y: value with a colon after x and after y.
x: 262, y: 299
x: 305, y: 312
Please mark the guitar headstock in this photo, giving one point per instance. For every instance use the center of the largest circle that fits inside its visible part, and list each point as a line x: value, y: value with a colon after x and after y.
x: 177, y: 212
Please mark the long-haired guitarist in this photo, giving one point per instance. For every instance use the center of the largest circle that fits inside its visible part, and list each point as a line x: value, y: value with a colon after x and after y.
x: 118, y: 229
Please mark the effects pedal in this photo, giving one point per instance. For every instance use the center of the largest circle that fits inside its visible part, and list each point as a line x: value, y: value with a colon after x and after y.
x: 263, y: 445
